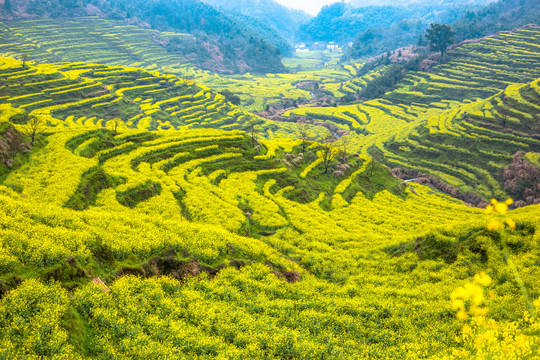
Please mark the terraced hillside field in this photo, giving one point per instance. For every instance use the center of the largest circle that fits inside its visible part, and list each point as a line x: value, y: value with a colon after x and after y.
x: 144, y: 216
x: 266, y: 271
x: 473, y: 74
x: 116, y: 43
x: 81, y: 94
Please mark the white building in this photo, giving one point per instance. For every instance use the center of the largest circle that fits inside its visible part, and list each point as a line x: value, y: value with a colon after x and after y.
x: 302, y: 48
x: 332, y: 46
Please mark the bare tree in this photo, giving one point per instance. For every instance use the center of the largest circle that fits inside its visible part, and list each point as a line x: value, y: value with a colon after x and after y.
x: 24, y: 60
x: 329, y: 152
x: 253, y: 129
x: 304, y: 135
x: 34, y: 127
x: 115, y: 123
x: 345, y: 142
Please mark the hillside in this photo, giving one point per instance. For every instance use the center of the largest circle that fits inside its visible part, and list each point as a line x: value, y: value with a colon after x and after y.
x: 216, y: 35
x: 282, y: 19
x: 469, y: 73
x: 467, y: 23
x: 207, y: 203
x: 502, y: 15
x: 143, y: 215
x: 342, y: 23
x: 117, y: 44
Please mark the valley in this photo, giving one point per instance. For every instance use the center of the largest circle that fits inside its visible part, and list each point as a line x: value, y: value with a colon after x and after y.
x: 334, y: 210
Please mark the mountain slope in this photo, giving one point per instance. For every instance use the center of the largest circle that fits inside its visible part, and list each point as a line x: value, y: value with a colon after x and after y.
x: 214, y: 31
x: 341, y: 22
x: 498, y: 16
x: 470, y: 72
x: 284, y: 20
x: 468, y: 22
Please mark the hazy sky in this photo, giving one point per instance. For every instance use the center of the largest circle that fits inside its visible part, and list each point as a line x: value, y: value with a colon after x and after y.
x: 310, y: 6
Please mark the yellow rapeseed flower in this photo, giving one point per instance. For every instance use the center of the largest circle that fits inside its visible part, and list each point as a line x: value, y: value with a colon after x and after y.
x: 458, y: 304
x: 501, y: 208
x: 494, y: 225
x: 511, y: 224
x: 462, y: 315
x: 483, y: 279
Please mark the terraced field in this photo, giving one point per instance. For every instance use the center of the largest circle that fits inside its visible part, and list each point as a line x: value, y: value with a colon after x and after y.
x: 89, y: 95
x: 483, y: 135
x: 355, y: 85
x: 471, y: 73
x: 150, y: 218
x: 392, y: 128
x: 176, y: 202
x: 115, y: 43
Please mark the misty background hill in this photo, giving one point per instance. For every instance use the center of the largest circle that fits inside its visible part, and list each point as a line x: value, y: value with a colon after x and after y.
x: 239, y: 36
x: 284, y: 20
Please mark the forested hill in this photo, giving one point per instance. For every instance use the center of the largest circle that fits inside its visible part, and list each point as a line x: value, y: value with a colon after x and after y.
x: 340, y: 22
x: 238, y: 49
x: 343, y: 22
x: 466, y: 24
x: 284, y: 20
x: 502, y: 15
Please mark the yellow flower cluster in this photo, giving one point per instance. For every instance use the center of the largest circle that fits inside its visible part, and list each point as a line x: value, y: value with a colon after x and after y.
x: 470, y: 298
x: 500, y: 208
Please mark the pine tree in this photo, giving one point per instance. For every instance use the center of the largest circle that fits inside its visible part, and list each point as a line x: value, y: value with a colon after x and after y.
x: 7, y: 5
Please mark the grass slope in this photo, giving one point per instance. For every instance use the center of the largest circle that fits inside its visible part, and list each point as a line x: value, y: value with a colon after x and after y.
x: 302, y: 264
x: 214, y: 244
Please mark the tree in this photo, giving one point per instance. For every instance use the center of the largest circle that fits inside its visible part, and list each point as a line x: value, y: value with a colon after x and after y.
x: 230, y: 97
x: 345, y: 142
x: 329, y: 152
x: 439, y: 36
x: 115, y: 123
x: 34, y: 126
x: 304, y: 135
x: 24, y: 60
x: 253, y: 129
x: 7, y: 5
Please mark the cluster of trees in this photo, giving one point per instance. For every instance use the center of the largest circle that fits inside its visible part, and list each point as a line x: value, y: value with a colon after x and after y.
x: 468, y: 21
x: 340, y: 22
x: 234, y: 40
x: 264, y: 31
x: 273, y: 15
x: 395, y: 72
x: 498, y: 16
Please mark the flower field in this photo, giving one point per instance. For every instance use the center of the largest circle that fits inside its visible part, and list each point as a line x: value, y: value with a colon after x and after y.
x: 154, y: 219
x: 115, y: 43
x: 353, y: 299
x: 428, y: 121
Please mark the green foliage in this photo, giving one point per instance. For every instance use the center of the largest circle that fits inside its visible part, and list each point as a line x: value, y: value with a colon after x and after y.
x: 277, y: 17
x: 440, y: 37
x: 389, y: 79
x: 143, y: 192
x: 497, y: 16
x: 92, y: 182
x: 339, y: 22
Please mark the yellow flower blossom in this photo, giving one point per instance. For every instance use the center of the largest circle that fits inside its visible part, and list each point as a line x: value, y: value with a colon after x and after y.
x: 483, y: 279
x: 462, y: 315
x: 511, y: 224
x: 494, y: 225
